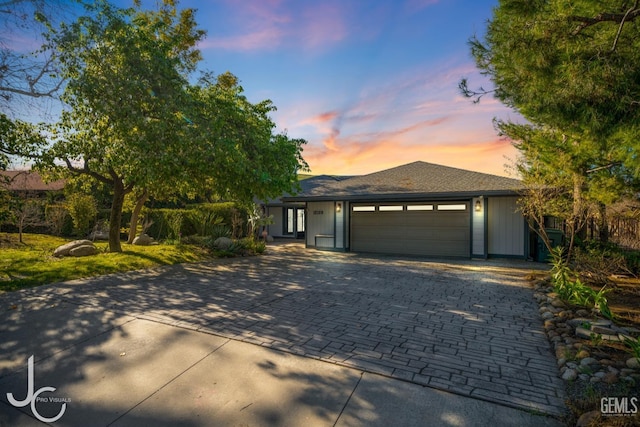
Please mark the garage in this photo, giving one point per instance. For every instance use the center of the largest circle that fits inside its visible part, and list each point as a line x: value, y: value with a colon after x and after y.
x: 441, y: 229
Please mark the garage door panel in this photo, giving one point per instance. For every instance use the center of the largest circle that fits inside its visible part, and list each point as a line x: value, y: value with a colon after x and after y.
x: 430, y: 233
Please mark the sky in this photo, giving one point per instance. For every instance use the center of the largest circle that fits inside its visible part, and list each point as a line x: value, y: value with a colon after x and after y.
x: 369, y: 84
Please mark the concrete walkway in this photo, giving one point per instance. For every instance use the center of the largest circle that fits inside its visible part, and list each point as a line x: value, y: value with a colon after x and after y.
x: 342, y: 339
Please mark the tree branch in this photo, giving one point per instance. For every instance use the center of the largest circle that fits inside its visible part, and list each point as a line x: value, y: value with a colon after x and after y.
x: 618, y: 18
x: 86, y: 171
x: 615, y: 41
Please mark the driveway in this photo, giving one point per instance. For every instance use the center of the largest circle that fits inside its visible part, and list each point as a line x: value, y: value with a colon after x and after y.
x: 471, y: 328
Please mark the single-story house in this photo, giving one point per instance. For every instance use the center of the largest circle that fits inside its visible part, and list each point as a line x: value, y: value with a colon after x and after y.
x: 415, y: 209
x: 28, y: 183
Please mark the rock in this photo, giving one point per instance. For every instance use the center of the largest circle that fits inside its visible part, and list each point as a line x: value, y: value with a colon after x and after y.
x: 269, y: 239
x: 99, y: 235
x: 584, y: 377
x: 579, y: 321
x: 588, y: 418
x: 582, y: 354
x: 570, y: 375
x: 588, y: 361
x: 610, y: 378
x: 66, y: 248
x: 582, y: 313
x: 548, y: 324
x: 572, y: 365
x: 599, y: 374
x: 583, y: 333
x: 222, y: 243
x: 594, y: 380
x: 557, y: 303
x: 547, y: 315
x: 83, y: 250
x: 143, y: 240
x: 633, y: 363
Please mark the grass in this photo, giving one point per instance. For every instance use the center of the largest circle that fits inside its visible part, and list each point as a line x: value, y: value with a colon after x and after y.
x: 31, y: 264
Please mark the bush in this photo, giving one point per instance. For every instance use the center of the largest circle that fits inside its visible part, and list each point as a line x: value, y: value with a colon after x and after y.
x: 570, y: 289
x: 83, y: 210
x: 58, y: 219
x: 196, y: 219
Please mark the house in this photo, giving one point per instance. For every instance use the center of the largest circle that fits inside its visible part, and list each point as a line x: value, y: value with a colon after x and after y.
x: 289, y: 217
x: 28, y: 183
x: 416, y: 209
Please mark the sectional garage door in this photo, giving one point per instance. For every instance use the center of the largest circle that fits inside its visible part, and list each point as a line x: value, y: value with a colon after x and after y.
x: 431, y: 229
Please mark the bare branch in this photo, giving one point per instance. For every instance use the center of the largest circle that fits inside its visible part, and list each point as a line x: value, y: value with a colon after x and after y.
x: 618, y: 18
x: 615, y: 41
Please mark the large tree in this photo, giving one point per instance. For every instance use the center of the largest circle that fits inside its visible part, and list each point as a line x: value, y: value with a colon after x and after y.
x: 134, y: 121
x: 571, y: 69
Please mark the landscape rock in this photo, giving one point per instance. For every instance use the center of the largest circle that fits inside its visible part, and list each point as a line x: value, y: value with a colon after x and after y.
x: 269, y: 239
x: 633, y: 363
x: 588, y: 361
x: 570, y: 375
x: 588, y: 418
x: 64, y: 250
x: 610, y: 378
x: 83, y: 250
x: 143, y: 240
x: 222, y: 243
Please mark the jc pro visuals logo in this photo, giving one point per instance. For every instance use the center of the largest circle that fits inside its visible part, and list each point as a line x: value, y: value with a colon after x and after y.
x: 621, y: 406
x: 34, y: 397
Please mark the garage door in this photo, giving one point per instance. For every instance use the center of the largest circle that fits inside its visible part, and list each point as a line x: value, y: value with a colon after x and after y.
x: 432, y: 229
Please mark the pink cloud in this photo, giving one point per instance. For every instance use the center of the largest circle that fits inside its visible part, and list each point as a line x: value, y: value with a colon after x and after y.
x: 263, y: 25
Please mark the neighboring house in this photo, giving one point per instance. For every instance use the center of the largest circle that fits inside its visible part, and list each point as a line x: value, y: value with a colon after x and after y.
x: 27, y: 183
x: 415, y: 209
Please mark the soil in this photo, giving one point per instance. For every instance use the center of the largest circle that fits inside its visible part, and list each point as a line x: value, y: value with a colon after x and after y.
x: 583, y: 397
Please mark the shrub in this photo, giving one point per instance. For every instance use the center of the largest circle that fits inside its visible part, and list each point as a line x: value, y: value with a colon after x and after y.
x: 58, y: 219
x: 571, y: 289
x: 83, y: 210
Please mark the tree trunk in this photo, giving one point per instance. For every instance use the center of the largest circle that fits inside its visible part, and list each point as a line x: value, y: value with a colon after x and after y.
x: 142, y: 199
x: 116, y: 216
x: 603, y: 226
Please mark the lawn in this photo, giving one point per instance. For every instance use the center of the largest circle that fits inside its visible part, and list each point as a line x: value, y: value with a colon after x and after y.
x: 31, y: 263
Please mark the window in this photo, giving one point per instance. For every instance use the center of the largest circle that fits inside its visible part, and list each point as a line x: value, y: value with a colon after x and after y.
x: 391, y: 208
x: 289, y: 220
x: 419, y: 207
x: 452, y: 207
x: 364, y: 208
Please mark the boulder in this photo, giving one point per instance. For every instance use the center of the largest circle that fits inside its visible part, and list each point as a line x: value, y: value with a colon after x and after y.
x: 83, y: 250
x: 633, y: 363
x: 269, y: 239
x: 99, y: 235
x: 66, y: 248
x: 222, y: 243
x: 143, y: 240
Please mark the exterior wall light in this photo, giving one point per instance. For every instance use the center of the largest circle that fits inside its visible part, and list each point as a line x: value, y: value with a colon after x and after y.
x: 339, y: 207
x: 478, y: 207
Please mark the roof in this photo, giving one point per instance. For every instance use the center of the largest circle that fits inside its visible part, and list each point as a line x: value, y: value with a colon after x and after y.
x: 412, y: 181
x: 26, y: 180
x: 309, y: 184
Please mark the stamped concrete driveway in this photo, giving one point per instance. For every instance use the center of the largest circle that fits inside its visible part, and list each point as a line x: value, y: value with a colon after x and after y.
x: 470, y: 328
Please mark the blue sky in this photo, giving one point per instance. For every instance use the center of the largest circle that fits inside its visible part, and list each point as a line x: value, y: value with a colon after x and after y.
x: 370, y: 84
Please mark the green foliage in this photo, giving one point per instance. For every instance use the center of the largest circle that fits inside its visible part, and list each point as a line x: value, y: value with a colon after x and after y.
x: 83, y: 211
x: 571, y: 69
x: 634, y: 346
x: 571, y: 289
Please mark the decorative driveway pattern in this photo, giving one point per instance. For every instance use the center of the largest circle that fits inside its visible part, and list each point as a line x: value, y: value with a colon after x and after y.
x: 471, y: 328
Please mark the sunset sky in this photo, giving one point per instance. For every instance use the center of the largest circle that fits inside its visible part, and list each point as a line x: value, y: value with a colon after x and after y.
x: 370, y: 84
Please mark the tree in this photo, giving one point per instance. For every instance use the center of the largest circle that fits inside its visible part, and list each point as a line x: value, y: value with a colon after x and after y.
x: 134, y: 122
x: 572, y: 70
x: 26, y: 213
x: 124, y: 131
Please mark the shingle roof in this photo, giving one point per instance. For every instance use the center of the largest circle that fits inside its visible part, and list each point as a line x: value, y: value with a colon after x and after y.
x: 413, y: 180
x: 26, y: 180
